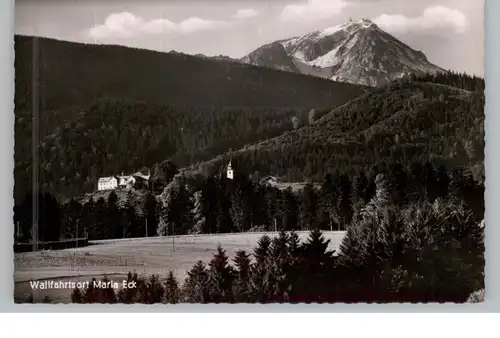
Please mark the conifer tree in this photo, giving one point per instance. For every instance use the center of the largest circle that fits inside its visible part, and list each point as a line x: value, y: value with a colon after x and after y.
x: 262, y: 282
x: 241, y: 287
x: 91, y: 293
x: 293, y: 244
x: 290, y: 210
x: 196, y: 287
x: 220, y: 277
x: 131, y: 295
x: 106, y: 295
x: 76, y: 296
x: 150, y: 207
x: 88, y: 219
x: 49, y: 218
x: 172, y: 290
x: 240, y: 211
x: 397, y: 182
x: 175, y: 217
x: 309, y: 208
x: 113, y: 228
x: 199, y: 210
x: 344, y: 201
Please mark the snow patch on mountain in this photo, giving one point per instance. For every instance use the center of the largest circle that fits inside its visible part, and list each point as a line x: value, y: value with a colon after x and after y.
x: 328, y: 60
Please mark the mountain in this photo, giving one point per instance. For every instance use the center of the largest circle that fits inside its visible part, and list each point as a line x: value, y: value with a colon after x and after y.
x: 355, y: 52
x: 438, y: 119
x: 272, y: 55
x: 108, y: 109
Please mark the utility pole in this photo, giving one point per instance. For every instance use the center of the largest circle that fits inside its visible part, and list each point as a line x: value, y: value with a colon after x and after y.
x: 147, y: 226
x: 77, y: 233
x: 173, y: 237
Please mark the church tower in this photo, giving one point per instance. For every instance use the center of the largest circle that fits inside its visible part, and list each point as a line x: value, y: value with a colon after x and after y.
x: 230, y: 172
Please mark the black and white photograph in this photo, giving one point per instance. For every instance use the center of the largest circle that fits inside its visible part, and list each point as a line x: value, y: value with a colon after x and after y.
x: 249, y: 151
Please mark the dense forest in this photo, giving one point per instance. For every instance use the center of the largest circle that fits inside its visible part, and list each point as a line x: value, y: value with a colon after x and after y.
x: 122, y: 109
x: 204, y: 205
x: 412, y: 240
x: 439, y: 119
x: 111, y: 137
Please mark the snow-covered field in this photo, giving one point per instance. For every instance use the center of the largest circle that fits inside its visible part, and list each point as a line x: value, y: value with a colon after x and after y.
x: 116, y: 258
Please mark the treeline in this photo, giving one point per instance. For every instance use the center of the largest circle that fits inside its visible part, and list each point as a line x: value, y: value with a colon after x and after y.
x: 407, y: 122
x: 420, y: 251
x: 454, y: 79
x: 203, y: 205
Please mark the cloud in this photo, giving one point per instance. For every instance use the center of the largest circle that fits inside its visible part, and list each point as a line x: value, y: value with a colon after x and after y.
x: 245, y: 13
x: 312, y: 10
x: 125, y: 25
x: 433, y: 19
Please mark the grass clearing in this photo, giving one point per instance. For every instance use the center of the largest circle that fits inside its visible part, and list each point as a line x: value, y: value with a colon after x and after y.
x: 115, y: 258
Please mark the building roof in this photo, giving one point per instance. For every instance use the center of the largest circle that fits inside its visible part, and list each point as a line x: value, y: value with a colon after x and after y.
x: 105, y: 179
x: 141, y: 175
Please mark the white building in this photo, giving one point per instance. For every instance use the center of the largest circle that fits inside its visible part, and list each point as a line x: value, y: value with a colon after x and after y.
x: 122, y: 181
x: 230, y: 172
x: 107, y: 183
x: 126, y: 181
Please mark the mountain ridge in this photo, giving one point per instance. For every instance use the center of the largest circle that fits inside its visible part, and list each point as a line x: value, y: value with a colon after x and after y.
x: 354, y: 52
x: 425, y: 119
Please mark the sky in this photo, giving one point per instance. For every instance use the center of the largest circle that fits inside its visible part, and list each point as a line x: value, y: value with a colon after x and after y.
x: 449, y: 32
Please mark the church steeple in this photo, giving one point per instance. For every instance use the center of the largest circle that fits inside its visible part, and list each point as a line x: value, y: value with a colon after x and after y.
x: 229, y: 171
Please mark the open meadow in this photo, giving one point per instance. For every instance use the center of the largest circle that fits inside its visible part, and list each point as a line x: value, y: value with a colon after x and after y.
x: 115, y: 258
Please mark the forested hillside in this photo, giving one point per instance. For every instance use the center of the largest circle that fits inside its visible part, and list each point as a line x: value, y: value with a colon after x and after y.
x: 433, y: 118
x: 122, y: 109
x: 72, y: 74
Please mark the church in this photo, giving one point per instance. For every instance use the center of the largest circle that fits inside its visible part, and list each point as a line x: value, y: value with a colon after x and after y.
x: 229, y: 171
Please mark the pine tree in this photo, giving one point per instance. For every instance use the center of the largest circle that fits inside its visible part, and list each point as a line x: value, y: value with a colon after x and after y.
x: 76, y: 296
x: 220, y: 277
x: 149, y: 290
x: 262, y: 282
x: 131, y: 295
x: 88, y: 219
x: 196, y: 288
x: 240, y: 211
x: 241, y: 288
x: 150, y: 207
x: 308, y: 207
x: 172, y: 292
x: 279, y: 247
x: 359, y: 187
x: 344, y: 201
x: 294, y: 246
x: 91, y: 293
x: 290, y: 210
x: 106, y: 295
x: 49, y: 219
x: 113, y: 228
x: 175, y: 210
x: 397, y: 181
x: 199, y: 211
